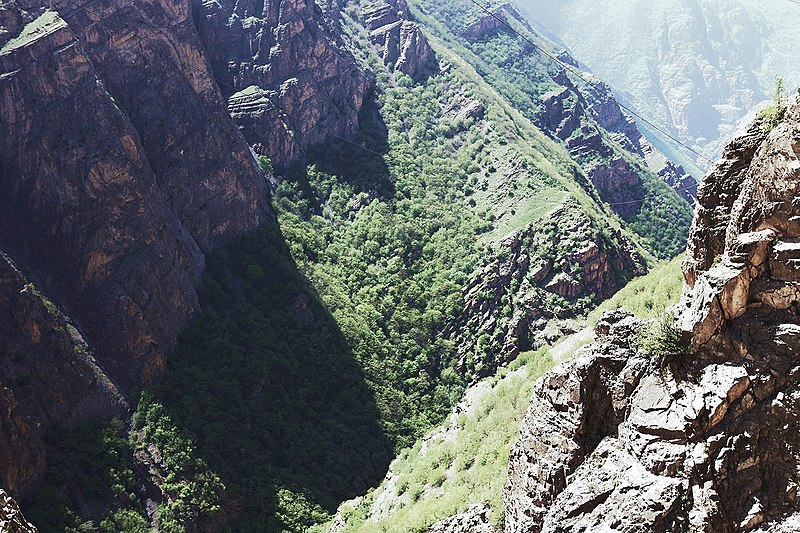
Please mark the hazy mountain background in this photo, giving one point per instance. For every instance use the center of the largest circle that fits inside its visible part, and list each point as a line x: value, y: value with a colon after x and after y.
x: 698, y: 67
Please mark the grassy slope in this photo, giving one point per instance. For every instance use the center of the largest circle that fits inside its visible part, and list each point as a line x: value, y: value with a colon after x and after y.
x: 522, y: 75
x: 648, y: 296
x: 451, y: 469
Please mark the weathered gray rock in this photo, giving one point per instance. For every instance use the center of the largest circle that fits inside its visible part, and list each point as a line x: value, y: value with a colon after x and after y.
x: 11, y: 519
x: 614, y: 488
x: 290, y: 81
x: 703, y: 442
x: 572, y: 265
x: 403, y: 46
x: 473, y: 520
x: 574, y: 407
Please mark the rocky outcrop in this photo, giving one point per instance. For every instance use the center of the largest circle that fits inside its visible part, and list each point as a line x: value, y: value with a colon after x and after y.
x: 583, y: 117
x: 289, y: 81
x: 473, y: 520
x: 604, y: 108
x: 403, y: 46
x: 488, y: 23
x: 625, y: 438
x: 676, y: 177
x: 715, y: 198
x: 521, y: 300
x: 11, y: 519
x: 558, y: 471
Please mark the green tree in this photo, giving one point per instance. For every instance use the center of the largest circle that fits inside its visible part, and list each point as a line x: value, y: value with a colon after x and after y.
x: 773, y: 114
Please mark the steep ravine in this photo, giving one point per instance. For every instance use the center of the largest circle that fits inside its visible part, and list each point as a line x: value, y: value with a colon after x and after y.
x: 174, y: 357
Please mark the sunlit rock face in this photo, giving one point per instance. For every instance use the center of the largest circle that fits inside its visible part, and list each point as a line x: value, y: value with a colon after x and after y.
x: 701, y: 439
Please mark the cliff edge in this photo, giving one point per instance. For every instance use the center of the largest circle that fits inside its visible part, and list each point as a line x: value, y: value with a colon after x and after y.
x: 699, y: 431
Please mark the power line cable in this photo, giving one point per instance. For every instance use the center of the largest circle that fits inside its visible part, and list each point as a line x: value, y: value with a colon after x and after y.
x: 580, y: 75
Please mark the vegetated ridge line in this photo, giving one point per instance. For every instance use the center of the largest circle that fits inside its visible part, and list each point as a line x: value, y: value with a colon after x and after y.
x: 99, y: 18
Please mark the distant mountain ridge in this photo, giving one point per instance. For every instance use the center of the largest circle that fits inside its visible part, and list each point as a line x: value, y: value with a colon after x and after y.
x: 699, y: 68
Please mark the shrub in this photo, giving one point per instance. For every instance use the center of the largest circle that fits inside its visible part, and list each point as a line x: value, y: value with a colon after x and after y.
x: 773, y: 114
x: 662, y: 338
x: 265, y: 164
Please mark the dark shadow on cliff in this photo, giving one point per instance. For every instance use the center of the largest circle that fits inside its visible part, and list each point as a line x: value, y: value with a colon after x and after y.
x: 360, y: 161
x: 266, y: 384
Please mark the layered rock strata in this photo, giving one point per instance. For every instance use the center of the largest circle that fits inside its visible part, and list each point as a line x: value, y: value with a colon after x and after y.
x: 520, y: 300
x: 121, y: 170
x: 403, y: 46
x: 116, y: 213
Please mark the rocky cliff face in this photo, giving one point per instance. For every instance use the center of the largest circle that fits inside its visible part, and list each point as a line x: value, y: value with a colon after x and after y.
x: 11, y: 519
x: 116, y: 213
x: 120, y: 170
x: 585, y: 117
x: 520, y: 300
x: 49, y: 377
x: 488, y: 23
x: 627, y: 439
x: 403, y: 46
x: 289, y: 82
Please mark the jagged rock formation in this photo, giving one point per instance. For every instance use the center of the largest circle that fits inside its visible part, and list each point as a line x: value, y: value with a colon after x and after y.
x: 403, y: 46
x: 11, y: 519
x: 488, y: 23
x: 513, y: 303
x: 289, y: 81
x: 115, y: 214
x: 120, y: 170
x: 622, y: 440
x: 575, y: 114
x: 604, y: 108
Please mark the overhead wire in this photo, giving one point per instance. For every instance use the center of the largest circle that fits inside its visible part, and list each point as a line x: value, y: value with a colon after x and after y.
x: 580, y: 75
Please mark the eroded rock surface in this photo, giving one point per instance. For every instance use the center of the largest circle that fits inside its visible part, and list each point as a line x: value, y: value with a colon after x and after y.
x: 616, y: 440
x: 289, y: 81
x: 115, y: 214
x: 403, y: 46
x: 120, y: 170
x: 11, y: 519
x: 546, y: 272
x: 48, y: 377
x: 473, y: 520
